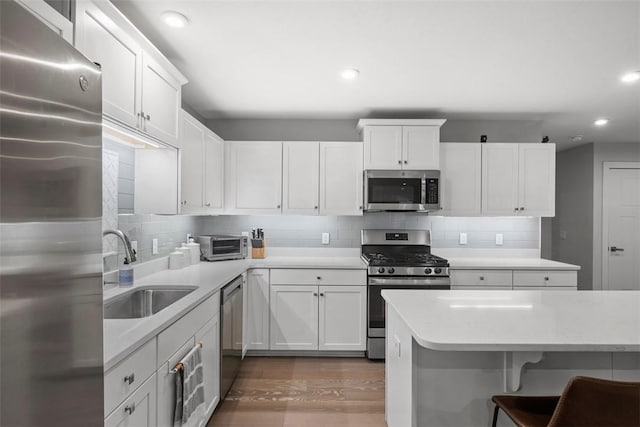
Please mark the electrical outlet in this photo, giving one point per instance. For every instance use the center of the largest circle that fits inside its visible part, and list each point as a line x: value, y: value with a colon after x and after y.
x: 134, y: 245
x: 154, y: 247
x: 563, y: 235
x: 463, y: 238
x: 499, y: 239
x: 325, y: 238
x: 188, y: 237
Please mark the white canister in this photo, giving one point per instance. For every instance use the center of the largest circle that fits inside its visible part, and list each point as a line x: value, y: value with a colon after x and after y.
x: 176, y: 260
x: 187, y: 255
x: 195, y: 251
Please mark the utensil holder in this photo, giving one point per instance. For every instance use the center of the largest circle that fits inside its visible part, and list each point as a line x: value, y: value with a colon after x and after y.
x: 258, y: 252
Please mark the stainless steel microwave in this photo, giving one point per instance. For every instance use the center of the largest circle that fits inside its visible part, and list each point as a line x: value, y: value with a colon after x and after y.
x: 222, y: 247
x: 402, y: 190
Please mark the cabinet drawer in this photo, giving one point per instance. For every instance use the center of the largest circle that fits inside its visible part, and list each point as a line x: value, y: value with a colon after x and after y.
x: 121, y: 380
x: 138, y: 410
x: 318, y: 276
x: 482, y: 278
x: 544, y: 288
x: 545, y: 278
x: 176, y: 335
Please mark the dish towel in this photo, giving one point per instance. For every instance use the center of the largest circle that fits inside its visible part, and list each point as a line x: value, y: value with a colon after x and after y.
x: 189, y: 383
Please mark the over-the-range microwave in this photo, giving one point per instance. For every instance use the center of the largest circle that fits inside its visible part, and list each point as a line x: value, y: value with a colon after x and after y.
x: 402, y: 190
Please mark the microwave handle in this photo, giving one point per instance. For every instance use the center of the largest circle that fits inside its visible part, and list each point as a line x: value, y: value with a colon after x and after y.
x: 423, y: 193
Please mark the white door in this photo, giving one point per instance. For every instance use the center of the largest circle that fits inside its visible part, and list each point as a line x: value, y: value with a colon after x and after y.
x: 383, y: 147
x: 253, y: 177
x: 161, y: 100
x: 341, y: 178
x: 213, y: 173
x: 294, y: 317
x: 300, y: 177
x: 102, y: 41
x: 537, y: 179
x: 421, y: 147
x: 191, y: 164
x: 258, y: 309
x: 621, y: 226
x: 209, y: 336
x: 342, y: 318
x: 137, y: 410
x: 461, y: 178
x: 500, y: 179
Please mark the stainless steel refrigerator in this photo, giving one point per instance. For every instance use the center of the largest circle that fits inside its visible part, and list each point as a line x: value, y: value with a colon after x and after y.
x: 51, y: 359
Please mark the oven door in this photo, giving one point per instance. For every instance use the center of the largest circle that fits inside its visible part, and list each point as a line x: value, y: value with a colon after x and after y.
x: 376, y: 304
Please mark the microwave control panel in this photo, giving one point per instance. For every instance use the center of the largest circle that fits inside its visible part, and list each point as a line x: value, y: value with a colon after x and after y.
x: 432, y: 191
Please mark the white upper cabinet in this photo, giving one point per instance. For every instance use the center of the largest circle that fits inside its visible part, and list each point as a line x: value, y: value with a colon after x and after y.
x: 201, y: 166
x: 253, y: 177
x: 51, y: 18
x: 518, y: 179
x: 401, y: 144
x: 341, y: 178
x: 141, y: 89
x: 460, y: 177
x: 300, y: 178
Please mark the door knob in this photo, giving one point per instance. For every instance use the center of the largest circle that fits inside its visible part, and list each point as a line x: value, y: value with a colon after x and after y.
x: 616, y: 249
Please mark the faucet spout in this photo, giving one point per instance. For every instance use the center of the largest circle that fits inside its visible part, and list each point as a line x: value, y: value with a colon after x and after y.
x: 130, y: 253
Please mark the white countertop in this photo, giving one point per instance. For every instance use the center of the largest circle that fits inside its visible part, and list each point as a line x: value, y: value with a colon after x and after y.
x: 520, y: 320
x: 500, y: 263
x: 124, y: 336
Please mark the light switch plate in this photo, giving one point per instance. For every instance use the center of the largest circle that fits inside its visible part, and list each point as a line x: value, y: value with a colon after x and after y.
x: 499, y: 239
x: 463, y: 238
x: 154, y: 247
x: 325, y: 238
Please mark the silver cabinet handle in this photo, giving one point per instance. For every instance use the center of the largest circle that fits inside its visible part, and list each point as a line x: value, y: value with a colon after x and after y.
x: 147, y: 117
x: 515, y: 209
x: 278, y: 207
x: 616, y: 249
x: 129, y: 379
x: 130, y: 409
x: 315, y: 207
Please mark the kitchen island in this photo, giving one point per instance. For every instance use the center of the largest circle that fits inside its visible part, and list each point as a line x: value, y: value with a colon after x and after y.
x: 448, y: 352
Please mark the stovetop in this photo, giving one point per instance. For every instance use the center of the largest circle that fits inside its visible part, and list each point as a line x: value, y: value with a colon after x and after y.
x: 408, y: 259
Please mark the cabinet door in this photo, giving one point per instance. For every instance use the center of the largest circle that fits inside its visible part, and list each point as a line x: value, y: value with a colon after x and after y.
x: 258, y: 309
x: 421, y: 147
x: 294, y: 317
x: 253, y: 177
x: 156, y: 181
x: 161, y: 100
x: 104, y: 42
x: 209, y: 336
x: 537, y: 179
x: 341, y: 178
x: 460, y: 177
x: 137, y: 410
x: 499, y: 179
x: 191, y: 165
x: 300, y: 175
x: 342, y: 318
x: 213, y: 173
x: 383, y: 147
x: 50, y: 17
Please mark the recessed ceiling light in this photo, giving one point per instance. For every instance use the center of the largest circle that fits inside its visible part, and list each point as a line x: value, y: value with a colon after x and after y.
x: 174, y: 19
x: 631, y: 77
x: 350, y: 74
x: 601, y: 122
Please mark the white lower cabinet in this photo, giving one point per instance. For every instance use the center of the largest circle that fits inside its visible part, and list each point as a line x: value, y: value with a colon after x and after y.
x: 258, y: 309
x: 514, y: 279
x: 209, y: 336
x: 294, y: 317
x: 342, y: 318
x: 138, y: 410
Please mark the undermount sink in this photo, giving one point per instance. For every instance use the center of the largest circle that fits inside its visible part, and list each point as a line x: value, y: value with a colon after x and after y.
x: 144, y: 302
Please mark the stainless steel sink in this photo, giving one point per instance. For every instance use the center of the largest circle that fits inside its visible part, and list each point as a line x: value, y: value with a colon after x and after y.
x: 144, y: 302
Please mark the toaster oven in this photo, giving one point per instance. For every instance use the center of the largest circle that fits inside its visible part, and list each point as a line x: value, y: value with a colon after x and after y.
x: 223, y: 247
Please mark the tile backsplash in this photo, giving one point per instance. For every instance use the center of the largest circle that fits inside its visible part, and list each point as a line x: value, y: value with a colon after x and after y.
x: 344, y: 231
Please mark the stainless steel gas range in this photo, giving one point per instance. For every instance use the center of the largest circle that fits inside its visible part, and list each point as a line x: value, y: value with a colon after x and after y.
x: 397, y: 259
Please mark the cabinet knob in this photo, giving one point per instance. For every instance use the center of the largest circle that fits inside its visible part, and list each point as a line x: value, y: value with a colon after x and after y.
x: 522, y: 208
x: 315, y: 294
x: 546, y: 278
x: 515, y: 209
x: 399, y: 162
x: 278, y: 207
x: 360, y: 207
x: 147, y: 117
x: 129, y: 379
x: 319, y: 278
x: 405, y: 162
x: 481, y: 277
x: 321, y: 294
x: 315, y: 207
x: 130, y: 409
x: 208, y: 205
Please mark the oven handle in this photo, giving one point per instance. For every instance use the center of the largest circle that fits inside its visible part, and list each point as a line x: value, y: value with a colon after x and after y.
x: 431, y: 281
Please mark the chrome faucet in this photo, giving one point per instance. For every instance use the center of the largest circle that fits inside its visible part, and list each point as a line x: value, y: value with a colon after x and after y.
x: 130, y: 253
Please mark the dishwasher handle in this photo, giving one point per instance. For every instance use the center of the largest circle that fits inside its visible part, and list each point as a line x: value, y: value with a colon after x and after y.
x: 231, y: 289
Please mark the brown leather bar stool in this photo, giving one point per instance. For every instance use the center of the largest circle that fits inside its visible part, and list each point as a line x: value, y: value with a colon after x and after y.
x: 584, y: 402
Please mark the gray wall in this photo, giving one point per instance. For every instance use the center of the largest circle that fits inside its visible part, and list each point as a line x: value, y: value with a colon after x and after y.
x: 628, y: 152
x: 572, y: 227
x: 345, y: 130
x: 305, y: 231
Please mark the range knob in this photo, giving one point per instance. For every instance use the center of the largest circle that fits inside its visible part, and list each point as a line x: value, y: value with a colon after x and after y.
x: 381, y: 270
x: 392, y: 270
x: 427, y: 271
x: 438, y: 270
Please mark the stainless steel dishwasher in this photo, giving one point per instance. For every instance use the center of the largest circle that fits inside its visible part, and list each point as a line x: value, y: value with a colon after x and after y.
x: 231, y: 336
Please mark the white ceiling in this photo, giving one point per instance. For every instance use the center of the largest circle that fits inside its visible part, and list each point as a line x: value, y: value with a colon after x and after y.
x: 555, y: 61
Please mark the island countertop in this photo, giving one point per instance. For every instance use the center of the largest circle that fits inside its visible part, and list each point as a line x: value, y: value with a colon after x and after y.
x: 520, y: 320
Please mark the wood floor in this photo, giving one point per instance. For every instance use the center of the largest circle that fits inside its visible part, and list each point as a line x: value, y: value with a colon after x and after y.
x: 304, y: 392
